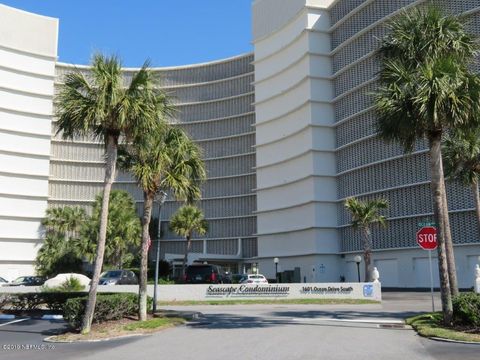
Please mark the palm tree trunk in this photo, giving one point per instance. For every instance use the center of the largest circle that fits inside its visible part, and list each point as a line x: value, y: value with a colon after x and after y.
x: 142, y: 294
x: 367, y: 254
x: 452, y: 270
x: 476, y: 198
x: 187, y: 250
x: 111, y: 151
x: 439, y: 214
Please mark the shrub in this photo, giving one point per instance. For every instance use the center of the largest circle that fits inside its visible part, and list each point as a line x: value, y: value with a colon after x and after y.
x: 25, y: 301
x: 108, y: 307
x: 72, y: 284
x: 5, y: 300
x: 162, y: 281
x: 55, y: 301
x: 31, y: 301
x: 466, y: 309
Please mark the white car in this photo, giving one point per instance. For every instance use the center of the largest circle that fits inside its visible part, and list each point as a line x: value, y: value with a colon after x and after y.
x: 253, y: 279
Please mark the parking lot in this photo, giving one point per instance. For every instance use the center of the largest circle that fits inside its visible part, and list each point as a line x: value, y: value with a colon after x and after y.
x: 255, y: 332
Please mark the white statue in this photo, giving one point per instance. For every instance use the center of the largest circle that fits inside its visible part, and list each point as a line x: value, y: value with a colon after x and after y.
x: 477, y: 279
x: 375, y: 275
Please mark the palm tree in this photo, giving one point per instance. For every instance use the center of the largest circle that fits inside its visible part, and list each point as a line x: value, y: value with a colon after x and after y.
x: 123, y: 230
x: 185, y: 221
x: 425, y: 89
x: 165, y: 159
x: 57, y: 256
x: 65, y: 221
x: 461, y: 152
x: 364, y: 215
x: 59, y: 251
x: 102, y: 105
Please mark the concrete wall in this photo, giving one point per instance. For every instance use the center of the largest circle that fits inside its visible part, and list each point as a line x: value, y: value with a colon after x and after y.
x: 410, y: 267
x: 28, y: 50
x: 204, y: 292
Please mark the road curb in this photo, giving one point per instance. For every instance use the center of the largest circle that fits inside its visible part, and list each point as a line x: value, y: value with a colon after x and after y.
x: 50, y: 339
x: 187, y: 315
x: 454, y: 341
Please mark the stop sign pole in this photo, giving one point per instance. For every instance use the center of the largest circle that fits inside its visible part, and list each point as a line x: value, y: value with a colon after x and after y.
x: 427, y: 240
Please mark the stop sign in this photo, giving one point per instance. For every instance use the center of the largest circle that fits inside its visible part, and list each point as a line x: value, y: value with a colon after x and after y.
x: 427, y: 238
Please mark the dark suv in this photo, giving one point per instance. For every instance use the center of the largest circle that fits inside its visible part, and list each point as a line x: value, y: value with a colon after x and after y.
x: 205, y: 274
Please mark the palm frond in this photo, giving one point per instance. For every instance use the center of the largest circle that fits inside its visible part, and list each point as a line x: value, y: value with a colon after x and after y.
x: 366, y: 213
x: 425, y: 83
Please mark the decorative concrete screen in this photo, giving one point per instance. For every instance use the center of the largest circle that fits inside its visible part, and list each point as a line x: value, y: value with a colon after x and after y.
x: 357, y: 291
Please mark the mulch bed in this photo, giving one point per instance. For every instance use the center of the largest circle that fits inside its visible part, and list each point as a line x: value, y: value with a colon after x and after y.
x: 466, y: 329
x: 107, y: 330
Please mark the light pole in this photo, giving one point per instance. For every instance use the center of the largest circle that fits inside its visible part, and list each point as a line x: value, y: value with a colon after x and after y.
x: 161, y: 200
x: 358, y: 260
x: 275, y: 261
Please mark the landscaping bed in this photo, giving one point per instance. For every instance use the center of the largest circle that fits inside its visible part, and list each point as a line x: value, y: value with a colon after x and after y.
x: 430, y: 325
x: 129, y: 326
x: 465, y: 325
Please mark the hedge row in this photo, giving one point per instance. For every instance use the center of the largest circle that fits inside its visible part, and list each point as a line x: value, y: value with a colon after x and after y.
x: 53, y: 301
x: 108, y: 307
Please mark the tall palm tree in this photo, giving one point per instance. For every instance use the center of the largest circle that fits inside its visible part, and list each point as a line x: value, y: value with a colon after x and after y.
x: 425, y: 89
x: 185, y: 221
x: 164, y: 159
x: 103, y: 105
x: 461, y: 159
x: 364, y: 215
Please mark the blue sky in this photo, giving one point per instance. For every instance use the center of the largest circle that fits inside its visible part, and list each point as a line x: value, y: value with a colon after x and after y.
x: 168, y: 32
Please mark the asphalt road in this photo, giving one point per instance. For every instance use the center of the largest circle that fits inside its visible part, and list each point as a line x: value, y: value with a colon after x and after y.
x: 256, y: 332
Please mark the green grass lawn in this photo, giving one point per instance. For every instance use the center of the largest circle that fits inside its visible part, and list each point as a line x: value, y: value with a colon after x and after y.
x: 272, y: 301
x: 154, y: 323
x: 430, y: 325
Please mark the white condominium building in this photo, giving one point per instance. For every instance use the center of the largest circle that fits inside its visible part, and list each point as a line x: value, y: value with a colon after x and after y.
x: 288, y: 134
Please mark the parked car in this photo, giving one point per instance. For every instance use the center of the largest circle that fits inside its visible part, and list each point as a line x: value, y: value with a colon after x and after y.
x: 118, y: 277
x: 3, y: 281
x: 253, y: 279
x: 206, y: 274
x: 27, y: 281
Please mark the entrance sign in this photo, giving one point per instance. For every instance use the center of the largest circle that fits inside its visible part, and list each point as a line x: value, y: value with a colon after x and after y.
x: 427, y: 238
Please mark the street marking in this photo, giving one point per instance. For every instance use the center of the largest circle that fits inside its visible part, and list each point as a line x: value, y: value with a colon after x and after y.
x: 14, y: 321
x: 366, y: 321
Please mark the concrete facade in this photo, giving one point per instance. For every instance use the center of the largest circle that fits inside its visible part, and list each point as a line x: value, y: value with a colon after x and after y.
x: 28, y: 52
x: 316, y: 146
x: 287, y: 132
